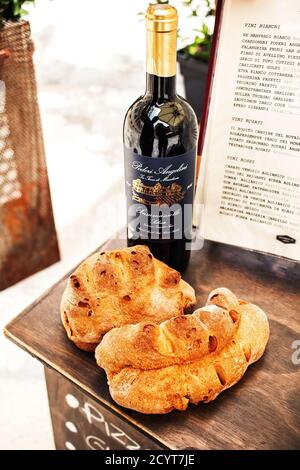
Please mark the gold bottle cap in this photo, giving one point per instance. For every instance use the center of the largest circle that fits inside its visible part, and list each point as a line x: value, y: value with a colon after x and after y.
x: 161, y: 18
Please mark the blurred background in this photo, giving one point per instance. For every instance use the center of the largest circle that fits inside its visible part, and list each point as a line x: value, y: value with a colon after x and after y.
x: 89, y: 64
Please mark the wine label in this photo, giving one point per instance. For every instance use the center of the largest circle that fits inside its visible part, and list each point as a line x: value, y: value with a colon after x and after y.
x: 160, y: 194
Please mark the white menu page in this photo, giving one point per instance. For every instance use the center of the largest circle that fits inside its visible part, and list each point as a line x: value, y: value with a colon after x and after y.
x: 250, y: 170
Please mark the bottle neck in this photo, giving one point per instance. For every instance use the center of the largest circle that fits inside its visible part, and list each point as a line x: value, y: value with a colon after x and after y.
x: 160, y: 87
x: 161, y: 64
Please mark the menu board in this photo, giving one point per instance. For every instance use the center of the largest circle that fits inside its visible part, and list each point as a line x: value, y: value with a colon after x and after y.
x: 249, y: 181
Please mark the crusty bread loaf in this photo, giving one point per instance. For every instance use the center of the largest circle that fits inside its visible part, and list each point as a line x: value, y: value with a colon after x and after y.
x: 156, y: 368
x: 113, y: 288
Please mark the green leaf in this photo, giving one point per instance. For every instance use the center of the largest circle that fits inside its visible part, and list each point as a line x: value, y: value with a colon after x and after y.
x: 12, y: 10
x: 210, y: 12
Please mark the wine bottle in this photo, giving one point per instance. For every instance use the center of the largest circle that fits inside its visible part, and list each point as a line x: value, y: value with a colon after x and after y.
x: 160, y: 137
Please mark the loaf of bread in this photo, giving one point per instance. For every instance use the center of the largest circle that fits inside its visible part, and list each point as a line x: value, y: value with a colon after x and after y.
x: 113, y: 288
x: 157, y: 368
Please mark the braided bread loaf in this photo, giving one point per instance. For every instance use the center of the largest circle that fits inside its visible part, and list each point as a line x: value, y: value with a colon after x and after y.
x: 156, y: 368
x: 114, y: 288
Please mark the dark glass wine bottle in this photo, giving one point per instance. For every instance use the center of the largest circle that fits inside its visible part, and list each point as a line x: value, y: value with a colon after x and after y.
x: 160, y: 140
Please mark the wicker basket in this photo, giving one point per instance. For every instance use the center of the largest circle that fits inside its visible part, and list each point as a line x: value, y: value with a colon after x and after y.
x: 28, y: 239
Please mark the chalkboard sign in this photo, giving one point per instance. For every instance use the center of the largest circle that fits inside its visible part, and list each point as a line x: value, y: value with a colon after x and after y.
x: 79, y: 423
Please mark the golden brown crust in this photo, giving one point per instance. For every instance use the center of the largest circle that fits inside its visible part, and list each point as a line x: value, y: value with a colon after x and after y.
x: 157, y: 368
x: 114, y: 288
x: 88, y: 347
x: 176, y: 341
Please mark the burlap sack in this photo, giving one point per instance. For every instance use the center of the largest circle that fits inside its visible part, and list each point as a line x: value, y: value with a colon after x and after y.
x: 28, y: 240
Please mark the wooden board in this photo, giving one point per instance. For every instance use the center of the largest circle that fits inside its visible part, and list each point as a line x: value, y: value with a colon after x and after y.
x: 261, y: 412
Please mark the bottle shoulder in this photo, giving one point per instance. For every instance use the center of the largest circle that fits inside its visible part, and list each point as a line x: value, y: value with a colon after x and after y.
x: 173, y: 112
x: 163, y: 126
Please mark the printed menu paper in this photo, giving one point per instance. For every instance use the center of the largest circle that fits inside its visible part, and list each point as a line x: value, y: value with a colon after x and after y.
x: 250, y: 170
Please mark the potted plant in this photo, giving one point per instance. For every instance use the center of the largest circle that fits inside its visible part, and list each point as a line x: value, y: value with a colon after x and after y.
x: 196, y: 35
x: 28, y: 240
x: 12, y: 10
